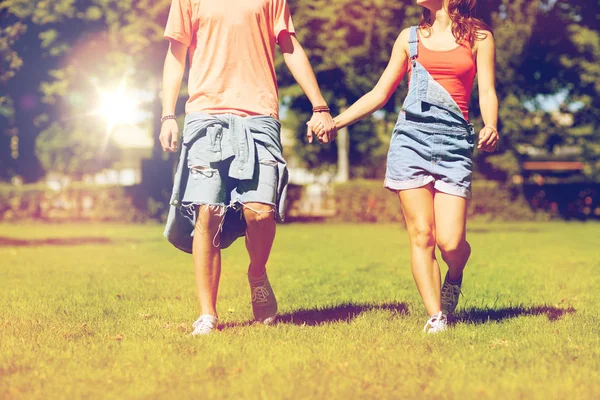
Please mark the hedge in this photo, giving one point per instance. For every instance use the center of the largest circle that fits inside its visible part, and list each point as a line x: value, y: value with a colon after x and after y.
x: 368, y: 201
x: 356, y: 201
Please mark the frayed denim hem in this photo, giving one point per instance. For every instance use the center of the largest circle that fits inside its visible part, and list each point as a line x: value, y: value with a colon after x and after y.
x: 422, y: 181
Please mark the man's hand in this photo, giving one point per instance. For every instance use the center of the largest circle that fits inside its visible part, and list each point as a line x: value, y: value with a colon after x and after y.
x: 169, y: 135
x: 488, y: 139
x: 322, y: 125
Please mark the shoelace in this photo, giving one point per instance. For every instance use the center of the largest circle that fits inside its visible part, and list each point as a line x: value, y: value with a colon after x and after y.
x: 435, y: 321
x: 260, y: 294
x: 450, y: 292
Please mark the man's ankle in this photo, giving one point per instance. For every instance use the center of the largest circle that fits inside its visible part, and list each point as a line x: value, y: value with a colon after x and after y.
x: 256, y: 273
x: 454, y: 279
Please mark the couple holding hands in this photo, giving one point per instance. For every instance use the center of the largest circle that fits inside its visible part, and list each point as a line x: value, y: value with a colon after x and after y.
x: 231, y: 178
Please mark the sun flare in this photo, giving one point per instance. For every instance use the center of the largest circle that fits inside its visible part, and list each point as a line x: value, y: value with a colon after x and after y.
x: 118, y: 107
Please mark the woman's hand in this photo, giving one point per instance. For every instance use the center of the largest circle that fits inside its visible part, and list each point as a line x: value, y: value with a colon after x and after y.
x: 322, y: 125
x: 488, y: 139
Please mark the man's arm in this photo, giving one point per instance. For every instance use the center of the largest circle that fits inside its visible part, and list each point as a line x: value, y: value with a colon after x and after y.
x: 297, y: 62
x: 172, y: 76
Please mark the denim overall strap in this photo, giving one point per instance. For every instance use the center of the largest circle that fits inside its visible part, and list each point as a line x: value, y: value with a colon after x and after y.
x: 413, y: 42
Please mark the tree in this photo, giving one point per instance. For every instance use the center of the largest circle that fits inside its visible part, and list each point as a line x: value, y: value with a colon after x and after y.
x: 73, y: 148
x: 559, y: 59
x: 348, y: 43
x: 544, y: 47
x: 62, y: 45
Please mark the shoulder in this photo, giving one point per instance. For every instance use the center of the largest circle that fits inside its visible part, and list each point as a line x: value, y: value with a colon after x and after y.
x: 405, y: 34
x: 484, y: 40
x: 484, y: 36
x: 402, y: 39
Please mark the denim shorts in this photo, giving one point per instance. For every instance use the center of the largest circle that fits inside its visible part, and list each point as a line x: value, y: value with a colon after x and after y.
x: 424, y: 152
x: 209, y: 182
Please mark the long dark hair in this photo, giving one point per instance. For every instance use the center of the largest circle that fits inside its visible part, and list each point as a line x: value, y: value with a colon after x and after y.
x: 464, y: 25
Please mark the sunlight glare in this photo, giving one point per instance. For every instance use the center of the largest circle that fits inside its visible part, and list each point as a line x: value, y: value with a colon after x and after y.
x: 118, y: 107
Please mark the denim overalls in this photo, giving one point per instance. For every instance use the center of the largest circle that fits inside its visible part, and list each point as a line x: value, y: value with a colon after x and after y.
x: 432, y: 141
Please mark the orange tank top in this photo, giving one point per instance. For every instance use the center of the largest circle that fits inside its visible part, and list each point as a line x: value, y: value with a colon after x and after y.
x: 454, y: 69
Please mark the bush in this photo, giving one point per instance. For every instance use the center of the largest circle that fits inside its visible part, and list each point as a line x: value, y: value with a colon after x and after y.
x: 78, y: 202
x: 368, y: 201
x: 355, y: 201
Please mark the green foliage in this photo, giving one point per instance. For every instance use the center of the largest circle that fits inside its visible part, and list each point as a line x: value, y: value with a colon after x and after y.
x: 81, y: 46
x: 75, y: 148
x: 9, y: 57
x: 367, y: 201
x: 104, y: 311
x: 544, y: 47
x: 348, y: 43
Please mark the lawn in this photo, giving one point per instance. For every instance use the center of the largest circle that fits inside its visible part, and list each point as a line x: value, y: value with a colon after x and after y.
x: 104, y: 311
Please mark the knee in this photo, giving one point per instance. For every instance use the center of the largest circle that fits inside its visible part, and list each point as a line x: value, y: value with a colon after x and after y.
x: 208, y: 218
x: 452, y: 246
x: 422, y: 237
x: 259, y: 214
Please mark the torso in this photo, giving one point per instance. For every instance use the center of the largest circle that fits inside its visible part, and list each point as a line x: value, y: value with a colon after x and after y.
x: 232, y: 57
x: 450, y: 64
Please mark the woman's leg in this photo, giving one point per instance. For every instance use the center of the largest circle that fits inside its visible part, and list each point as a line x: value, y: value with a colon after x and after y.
x: 450, y: 222
x: 450, y: 219
x: 417, y: 206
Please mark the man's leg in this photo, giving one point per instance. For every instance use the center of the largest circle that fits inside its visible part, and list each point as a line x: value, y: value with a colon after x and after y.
x: 207, y: 257
x: 260, y: 233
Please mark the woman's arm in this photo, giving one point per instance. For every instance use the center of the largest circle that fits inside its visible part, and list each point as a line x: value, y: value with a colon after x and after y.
x: 381, y: 93
x: 488, y: 101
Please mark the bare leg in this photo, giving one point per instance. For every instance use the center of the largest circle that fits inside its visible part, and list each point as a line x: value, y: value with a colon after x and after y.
x: 417, y: 206
x: 450, y: 222
x: 207, y: 257
x: 260, y: 234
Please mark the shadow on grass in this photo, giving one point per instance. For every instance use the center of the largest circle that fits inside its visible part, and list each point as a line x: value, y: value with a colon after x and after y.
x: 67, y: 241
x: 340, y: 313
x: 483, y: 315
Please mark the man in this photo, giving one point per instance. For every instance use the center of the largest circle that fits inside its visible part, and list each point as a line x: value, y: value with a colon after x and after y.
x: 231, y: 161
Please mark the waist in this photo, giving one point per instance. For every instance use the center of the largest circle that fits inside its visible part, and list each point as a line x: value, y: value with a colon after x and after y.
x: 433, y: 125
x: 236, y: 100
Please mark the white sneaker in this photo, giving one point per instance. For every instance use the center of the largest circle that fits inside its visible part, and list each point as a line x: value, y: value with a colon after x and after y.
x: 204, y: 325
x: 437, y: 323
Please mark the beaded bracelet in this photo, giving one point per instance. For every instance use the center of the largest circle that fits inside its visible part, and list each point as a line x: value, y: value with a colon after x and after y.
x: 166, y: 117
x: 321, y: 109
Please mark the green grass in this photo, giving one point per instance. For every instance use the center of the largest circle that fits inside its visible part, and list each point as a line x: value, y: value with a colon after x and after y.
x: 104, y: 311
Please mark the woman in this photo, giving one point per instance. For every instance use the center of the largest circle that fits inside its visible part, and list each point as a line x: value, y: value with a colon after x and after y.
x: 429, y: 161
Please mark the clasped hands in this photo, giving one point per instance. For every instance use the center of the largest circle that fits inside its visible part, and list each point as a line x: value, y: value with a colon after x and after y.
x: 322, y: 126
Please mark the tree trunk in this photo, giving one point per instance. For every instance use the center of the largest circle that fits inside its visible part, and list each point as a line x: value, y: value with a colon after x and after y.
x: 343, y: 146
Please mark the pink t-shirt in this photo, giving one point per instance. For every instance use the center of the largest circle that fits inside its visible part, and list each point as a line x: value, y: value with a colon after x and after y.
x: 231, y: 49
